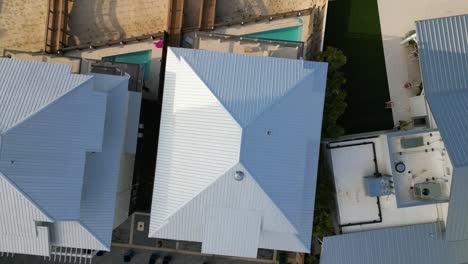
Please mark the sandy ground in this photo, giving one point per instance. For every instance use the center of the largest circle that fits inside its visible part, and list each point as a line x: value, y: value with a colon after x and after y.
x: 23, y: 24
x: 228, y: 10
x: 104, y: 20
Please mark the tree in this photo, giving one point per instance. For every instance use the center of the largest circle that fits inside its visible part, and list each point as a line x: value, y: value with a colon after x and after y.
x: 335, y: 96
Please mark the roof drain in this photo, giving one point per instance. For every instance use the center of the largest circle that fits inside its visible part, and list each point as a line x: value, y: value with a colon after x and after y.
x: 376, y: 174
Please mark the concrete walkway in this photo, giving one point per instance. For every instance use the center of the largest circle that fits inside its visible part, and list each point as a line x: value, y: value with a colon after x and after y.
x: 397, y: 18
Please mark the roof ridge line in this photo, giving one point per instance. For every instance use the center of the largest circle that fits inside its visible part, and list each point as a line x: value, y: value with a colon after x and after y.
x: 287, y: 222
x: 281, y: 98
x: 151, y: 233
x: 40, y: 110
x: 272, y: 202
x: 93, y: 235
x: 3, y: 176
x: 182, y: 59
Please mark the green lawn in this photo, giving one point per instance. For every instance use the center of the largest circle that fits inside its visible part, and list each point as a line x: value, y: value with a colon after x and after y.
x: 353, y: 26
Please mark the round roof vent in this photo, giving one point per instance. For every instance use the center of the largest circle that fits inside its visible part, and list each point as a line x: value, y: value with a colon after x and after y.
x: 239, y: 176
x: 400, y: 167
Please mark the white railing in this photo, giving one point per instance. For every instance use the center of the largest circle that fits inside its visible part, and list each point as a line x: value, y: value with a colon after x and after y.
x: 71, y: 255
x: 7, y: 254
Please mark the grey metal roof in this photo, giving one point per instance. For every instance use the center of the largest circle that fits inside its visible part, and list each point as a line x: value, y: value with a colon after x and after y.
x: 61, y: 148
x: 102, y: 168
x: 247, y: 85
x: 443, y: 49
x: 43, y: 154
x: 263, y: 93
x: 27, y: 86
x: 224, y: 111
x: 417, y: 244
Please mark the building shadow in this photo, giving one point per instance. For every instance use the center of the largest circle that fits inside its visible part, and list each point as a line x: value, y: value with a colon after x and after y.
x: 94, y: 21
x: 228, y: 10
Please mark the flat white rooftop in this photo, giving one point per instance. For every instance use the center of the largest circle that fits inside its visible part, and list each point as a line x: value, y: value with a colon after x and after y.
x: 351, y: 164
x: 397, y: 18
x: 420, y: 161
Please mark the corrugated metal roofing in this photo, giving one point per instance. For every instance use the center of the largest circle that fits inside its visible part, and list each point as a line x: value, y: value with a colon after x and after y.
x: 417, y: 244
x: 263, y: 114
x: 102, y: 168
x: 37, y: 245
x: 193, y: 122
x: 191, y: 221
x: 281, y: 148
x: 242, y: 227
x: 443, y: 48
x: 45, y: 154
x: 249, y: 84
x: 28, y: 86
x: 43, y: 150
x: 15, y: 203
x: 72, y: 234
x: 18, y: 231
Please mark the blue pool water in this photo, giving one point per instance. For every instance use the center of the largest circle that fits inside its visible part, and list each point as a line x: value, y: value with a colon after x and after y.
x: 140, y: 57
x: 289, y: 33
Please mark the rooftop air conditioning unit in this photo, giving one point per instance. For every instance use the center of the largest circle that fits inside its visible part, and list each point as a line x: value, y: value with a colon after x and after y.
x: 428, y: 190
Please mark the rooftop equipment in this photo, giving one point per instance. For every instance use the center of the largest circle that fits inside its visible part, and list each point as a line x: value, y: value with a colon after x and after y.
x: 431, y: 190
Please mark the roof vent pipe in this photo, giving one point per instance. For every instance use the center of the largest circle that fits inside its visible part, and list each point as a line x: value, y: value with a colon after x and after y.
x: 239, y: 176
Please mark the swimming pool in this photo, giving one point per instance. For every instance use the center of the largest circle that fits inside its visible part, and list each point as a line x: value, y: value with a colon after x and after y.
x: 140, y: 57
x: 289, y: 33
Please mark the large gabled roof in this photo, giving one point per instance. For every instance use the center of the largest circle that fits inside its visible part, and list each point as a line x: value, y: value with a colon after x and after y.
x: 224, y: 113
x: 443, y: 48
x: 60, y: 145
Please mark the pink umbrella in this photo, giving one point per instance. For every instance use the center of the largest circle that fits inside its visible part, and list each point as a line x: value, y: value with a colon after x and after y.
x: 158, y: 44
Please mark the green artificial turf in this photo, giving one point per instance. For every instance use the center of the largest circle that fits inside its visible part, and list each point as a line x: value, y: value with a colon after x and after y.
x: 353, y: 26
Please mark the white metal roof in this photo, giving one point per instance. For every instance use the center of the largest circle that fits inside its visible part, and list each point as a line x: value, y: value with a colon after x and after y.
x: 443, y: 45
x: 18, y: 231
x: 414, y: 244
x: 28, y: 86
x: 60, y: 144
x: 223, y: 113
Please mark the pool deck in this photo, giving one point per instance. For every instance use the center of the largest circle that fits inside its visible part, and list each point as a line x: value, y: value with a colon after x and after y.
x: 233, y: 44
x: 306, y: 21
x: 397, y: 17
x: 156, y: 54
x: 23, y: 24
x: 267, y: 26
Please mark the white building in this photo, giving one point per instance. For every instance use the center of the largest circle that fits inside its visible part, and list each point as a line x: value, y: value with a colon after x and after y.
x: 421, y: 192
x: 238, y: 152
x: 62, y: 139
